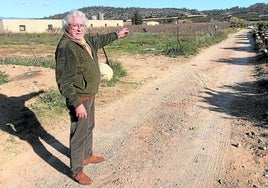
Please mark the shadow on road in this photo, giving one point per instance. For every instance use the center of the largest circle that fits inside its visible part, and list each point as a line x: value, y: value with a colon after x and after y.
x: 18, y: 120
x: 246, y: 103
x: 248, y: 48
x: 249, y: 100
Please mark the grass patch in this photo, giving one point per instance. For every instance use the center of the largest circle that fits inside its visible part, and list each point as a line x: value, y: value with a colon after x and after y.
x: 166, y: 43
x: 49, y: 107
x: 142, y: 43
x: 52, y: 99
x: 47, y: 62
x: 190, y: 45
x: 159, y: 43
x: 49, y: 39
x: 48, y: 104
x: 3, y: 78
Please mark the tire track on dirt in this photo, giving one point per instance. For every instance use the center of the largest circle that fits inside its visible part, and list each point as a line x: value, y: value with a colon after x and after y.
x: 178, y: 155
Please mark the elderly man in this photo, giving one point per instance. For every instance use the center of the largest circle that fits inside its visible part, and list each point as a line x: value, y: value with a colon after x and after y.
x: 78, y: 77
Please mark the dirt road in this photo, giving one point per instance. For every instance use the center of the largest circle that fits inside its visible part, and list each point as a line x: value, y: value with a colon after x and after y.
x: 174, y: 131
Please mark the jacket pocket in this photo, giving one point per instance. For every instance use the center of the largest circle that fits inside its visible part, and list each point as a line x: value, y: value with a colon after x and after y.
x: 80, y: 82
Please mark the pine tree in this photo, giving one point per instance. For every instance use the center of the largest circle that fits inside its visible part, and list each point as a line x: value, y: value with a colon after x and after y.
x: 137, y: 19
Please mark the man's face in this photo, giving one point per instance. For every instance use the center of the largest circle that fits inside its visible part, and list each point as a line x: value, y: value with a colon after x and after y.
x: 77, y: 27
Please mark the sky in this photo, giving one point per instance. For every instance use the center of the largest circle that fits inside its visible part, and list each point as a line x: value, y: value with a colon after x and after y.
x: 45, y: 8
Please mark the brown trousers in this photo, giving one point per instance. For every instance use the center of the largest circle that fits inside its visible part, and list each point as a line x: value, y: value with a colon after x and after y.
x: 81, y: 135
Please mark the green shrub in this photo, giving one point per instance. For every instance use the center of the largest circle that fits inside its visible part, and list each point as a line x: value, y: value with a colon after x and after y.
x: 118, y: 72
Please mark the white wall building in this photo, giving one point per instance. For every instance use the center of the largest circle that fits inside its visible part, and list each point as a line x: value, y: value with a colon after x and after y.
x: 28, y: 25
x: 44, y: 26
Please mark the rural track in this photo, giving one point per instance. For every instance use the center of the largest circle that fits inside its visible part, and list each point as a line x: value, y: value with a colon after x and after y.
x: 173, y: 132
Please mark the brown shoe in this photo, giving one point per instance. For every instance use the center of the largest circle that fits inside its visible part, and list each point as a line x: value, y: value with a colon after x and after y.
x: 93, y: 159
x: 82, y: 178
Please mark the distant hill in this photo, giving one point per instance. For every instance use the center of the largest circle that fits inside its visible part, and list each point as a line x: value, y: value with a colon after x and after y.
x: 255, y: 12
x: 112, y: 13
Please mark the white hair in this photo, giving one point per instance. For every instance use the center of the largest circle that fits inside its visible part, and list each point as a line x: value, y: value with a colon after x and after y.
x: 66, y: 20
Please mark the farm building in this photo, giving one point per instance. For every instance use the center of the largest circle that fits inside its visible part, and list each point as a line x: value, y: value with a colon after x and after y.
x: 105, y: 23
x: 151, y: 23
x: 44, y: 26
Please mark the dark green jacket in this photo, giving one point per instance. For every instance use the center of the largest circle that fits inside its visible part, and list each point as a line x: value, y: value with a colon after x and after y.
x: 77, y: 73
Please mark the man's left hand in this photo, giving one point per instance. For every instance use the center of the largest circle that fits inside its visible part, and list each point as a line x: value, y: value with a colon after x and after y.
x: 123, y: 33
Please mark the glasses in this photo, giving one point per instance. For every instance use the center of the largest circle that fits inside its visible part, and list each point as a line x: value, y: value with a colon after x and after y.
x: 76, y: 26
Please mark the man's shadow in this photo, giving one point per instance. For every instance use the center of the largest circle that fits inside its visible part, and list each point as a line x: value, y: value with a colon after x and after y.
x: 18, y: 120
